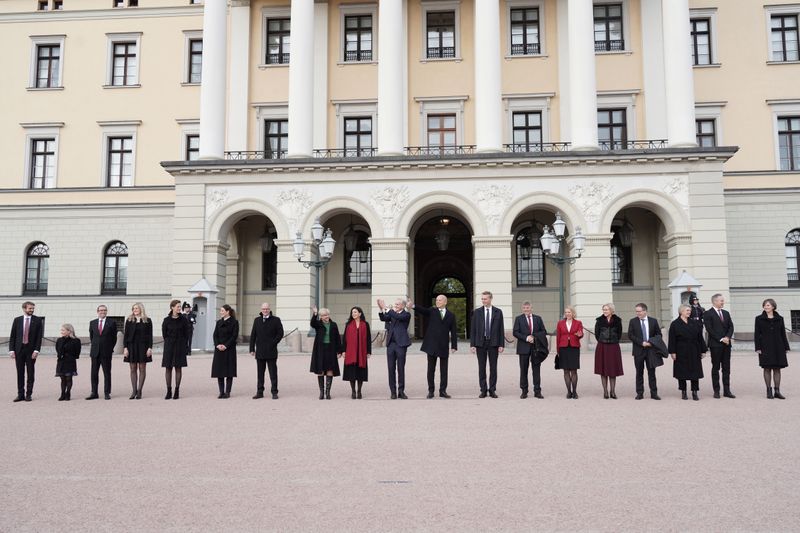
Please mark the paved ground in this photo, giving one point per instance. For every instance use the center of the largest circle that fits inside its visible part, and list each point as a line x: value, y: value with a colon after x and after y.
x: 300, y: 464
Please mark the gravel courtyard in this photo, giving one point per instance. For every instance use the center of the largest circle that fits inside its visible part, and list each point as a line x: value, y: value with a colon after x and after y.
x: 301, y: 464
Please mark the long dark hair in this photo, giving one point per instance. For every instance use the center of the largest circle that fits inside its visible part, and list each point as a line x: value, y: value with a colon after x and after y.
x: 230, y: 310
x: 350, y: 317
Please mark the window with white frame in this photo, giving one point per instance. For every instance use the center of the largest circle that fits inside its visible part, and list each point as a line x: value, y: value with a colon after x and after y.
x: 792, y: 245
x: 356, y: 122
x: 358, y: 38
x: 357, y: 136
x: 708, y: 123
x: 441, y: 37
x: 703, y: 36
x: 783, y: 39
x: 525, y: 31
x: 37, y: 269
x: 192, y: 151
x: 41, y: 155
x: 786, y: 133
x: 124, y: 3
x: 273, y: 129
x: 616, y: 119
x: 608, y: 28
x: 47, y: 56
x: 527, y: 121
x: 277, y: 39
x: 123, y: 60
x: 119, y: 153
x: 193, y: 69
x: 190, y: 139
x: 442, y: 122
x: 706, y: 132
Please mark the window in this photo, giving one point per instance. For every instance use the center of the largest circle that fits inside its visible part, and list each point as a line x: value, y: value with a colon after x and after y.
x: 195, y: 2
x: 441, y: 130
x: 784, y: 37
x: 357, y: 259
x: 530, y: 259
x: 36, y: 268
x: 612, y: 129
x: 121, y: 3
x: 192, y: 147
x: 278, y: 41
x: 358, y: 38
x: 795, y: 322
x: 792, y: 248
x: 525, y: 31
x: 269, y: 268
x: 357, y: 136
x: 701, y: 41
x: 42, y: 167
x: 124, y: 64
x: 706, y: 132
x: 119, y: 172
x: 441, y: 31
x: 608, y: 36
x: 527, y: 129
x: 621, y: 261
x: 48, y: 57
x: 58, y: 5
x: 195, y: 61
x: 789, y: 142
x: 43, y: 5
x: 276, y: 138
x: 115, y: 269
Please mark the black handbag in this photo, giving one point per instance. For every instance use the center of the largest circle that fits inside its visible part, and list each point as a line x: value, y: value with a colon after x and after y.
x: 557, y: 362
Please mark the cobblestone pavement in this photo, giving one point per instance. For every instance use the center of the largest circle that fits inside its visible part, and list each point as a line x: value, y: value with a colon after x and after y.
x: 301, y: 464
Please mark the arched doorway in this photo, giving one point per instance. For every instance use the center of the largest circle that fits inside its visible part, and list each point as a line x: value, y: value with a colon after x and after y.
x: 442, y: 263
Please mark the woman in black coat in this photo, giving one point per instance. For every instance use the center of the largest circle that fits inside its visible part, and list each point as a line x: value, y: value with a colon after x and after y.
x: 138, y: 347
x: 771, y: 344
x: 607, y: 355
x: 687, y: 348
x: 223, y: 366
x: 327, y: 346
x: 68, y: 350
x: 175, y: 329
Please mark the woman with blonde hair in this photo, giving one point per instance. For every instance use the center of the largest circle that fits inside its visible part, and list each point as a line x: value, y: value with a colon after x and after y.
x: 327, y: 344
x: 569, y: 332
x: 137, y: 342
x: 687, y: 348
x: 607, y: 355
x: 68, y: 350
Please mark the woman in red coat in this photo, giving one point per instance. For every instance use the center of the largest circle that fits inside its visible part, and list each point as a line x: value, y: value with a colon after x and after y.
x: 357, y: 347
x: 569, y: 332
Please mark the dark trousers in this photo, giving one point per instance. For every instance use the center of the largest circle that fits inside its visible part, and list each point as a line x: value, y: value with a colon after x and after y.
x: 272, y: 364
x: 641, y: 363
x: 695, y: 385
x: 489, y: 353
x: 98, y: 362
x: 25, y: 361
x: 432, y: 372
x: 396, y: 360
x: 721, y: 357
x: 524, y: 361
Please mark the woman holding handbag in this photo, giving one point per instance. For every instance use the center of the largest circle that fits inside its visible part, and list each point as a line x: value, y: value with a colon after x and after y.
x: 138, y: 347
x: 569, y: 332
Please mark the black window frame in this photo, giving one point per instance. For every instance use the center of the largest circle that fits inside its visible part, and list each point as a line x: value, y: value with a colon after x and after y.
x: 282, y: 136
x: 792, y: 241
x: 46, y: 153
x: 783, y: 30
x: 701, y: 136
x: 534, y: 271
x: 358, y: 133
x: 696, y: 35
x: 125, y: 56
x: 111, y: 151
x: 191, y: 148
x: 364, y: 250
x: 43, y: 5
x: 607, y: 44
x: 794, y: 321
x: 527, y: 128
x: 53, y: 65
x: 195, y: 70
x: 58, y: 5
x: 613, y: 143
x: 284, y: 41
x: 38, y: 253
x: 792, y: 137
x: 115, y: 250
x: 269, y: 269
x: 525, y: 48
x: 440, y: 27
x: 358, y: 54
x: 621, y: 262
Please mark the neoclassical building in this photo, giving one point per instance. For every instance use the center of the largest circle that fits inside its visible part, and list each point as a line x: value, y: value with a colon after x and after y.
x: 154, y: 147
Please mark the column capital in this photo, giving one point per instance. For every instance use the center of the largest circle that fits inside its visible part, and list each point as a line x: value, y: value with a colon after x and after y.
x: 240, y: 3
x: 389, y: 243
x: 216, y: 246
x: 597, y: 239
x: 678, y: 238
x: 492, y: 241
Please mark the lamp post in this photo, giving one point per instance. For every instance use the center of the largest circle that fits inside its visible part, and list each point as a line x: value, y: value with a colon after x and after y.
x: 552, y: 240
x: 324, y: 243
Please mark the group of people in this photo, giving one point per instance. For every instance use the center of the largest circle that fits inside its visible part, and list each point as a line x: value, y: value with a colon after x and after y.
x: 686, y: 345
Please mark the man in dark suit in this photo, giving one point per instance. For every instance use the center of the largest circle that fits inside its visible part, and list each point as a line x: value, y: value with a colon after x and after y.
x: 488, y: 340
x: 24, y: 344
x: 397, y: 342
x: 532, y: 348
x: 719, y: 326
x: 103, y: 338
x: 265, y: 336
x: 640, y: 331
x: 440, y: 339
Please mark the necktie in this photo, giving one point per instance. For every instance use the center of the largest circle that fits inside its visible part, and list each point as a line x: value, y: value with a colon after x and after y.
x: 441, y: 312
x: 644, y: 330
x: 25, y: 330
x: 530, y: 323
x: 100, y: 327
x: 488, y: 324
x: 721, y: 318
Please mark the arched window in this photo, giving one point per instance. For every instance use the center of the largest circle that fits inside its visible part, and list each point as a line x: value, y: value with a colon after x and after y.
x: 36, y: 268
x: 792, y: 254
x: 115, y: 268
x: 357, y: 259
x: 530, y: 258
x: 621, y: 257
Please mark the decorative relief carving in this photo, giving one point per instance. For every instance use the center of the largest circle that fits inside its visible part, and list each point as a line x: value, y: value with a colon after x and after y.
x: 678, y: 188
x: 492, y: 201
x: 215, y: 199
x: 294, y: 204
x: 388, y: 202
x: 591, y: 198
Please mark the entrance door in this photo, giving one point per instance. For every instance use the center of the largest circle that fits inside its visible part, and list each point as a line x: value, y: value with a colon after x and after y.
x: 457, y: 302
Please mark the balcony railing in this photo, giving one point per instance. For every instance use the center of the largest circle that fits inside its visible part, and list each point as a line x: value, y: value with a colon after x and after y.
x: 337, y: 153
x: 441, y: 52
x: 278, y: 59
x: 243, y: 155
x: 524, y: 148
x: 524, y: 49
x: 358, y: 55
x: 439, y: 151
x: 647, y: 144
x: 609, y: 46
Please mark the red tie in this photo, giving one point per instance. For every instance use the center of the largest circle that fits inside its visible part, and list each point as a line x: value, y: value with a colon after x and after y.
x: 530, y: 323
x: 721, y: 318
x: 25, y: 330
x: 100, y: 327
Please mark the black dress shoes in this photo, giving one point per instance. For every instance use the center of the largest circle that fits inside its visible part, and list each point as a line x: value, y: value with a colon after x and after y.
x: 402, y: 395
x: 728, y: 394
x: 613, y: 395
x: 92, y: 397
x: 684, y: 396
x: 443, y: 394
x: 19, y: 398
x: 430, y: 395
x: 274, y: 395
x: 655, y: 396
x: 523, y: 395
x: 258, y: 395
x: 394, y: 396
x: 695, y: 397
x: 28, y: 398
x: 716, y: 394
x: 353, y: 395
x: 538, y: 395
x: 107, y: 396
x: 482, y: 395
x: 640, y: 396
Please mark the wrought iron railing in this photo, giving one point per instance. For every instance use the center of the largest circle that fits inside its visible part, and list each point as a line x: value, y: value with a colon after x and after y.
x: 525, y: 49
x: 439, y: 151
x: 441, y: 52
x: 335, y: 153
x: 524, y: 148
x: 278, y: 59
x: 611, y: 45
x: 358, y: 55
x: 243, y: 155
x: 646, y: 144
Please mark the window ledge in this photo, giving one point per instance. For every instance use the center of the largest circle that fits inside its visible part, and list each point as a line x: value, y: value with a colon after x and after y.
x: 614, y: 53
x: 273, y: 65
x: 343, y: 63
x: 710, y: 65
x: 526, y: 56
x: 135, y: 86
x: 190, y: 84
x: 59, y: 88
x: 783, y: 62
x: 440, y: 59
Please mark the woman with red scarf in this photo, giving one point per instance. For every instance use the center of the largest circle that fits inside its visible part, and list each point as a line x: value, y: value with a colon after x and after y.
x: 357, y: 348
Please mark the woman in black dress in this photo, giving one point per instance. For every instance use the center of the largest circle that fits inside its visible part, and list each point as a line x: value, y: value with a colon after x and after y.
x: 137, y: 342
x: 68, y: 350
x: 687, y: 348
x: 607, y: 355
x: 175, y: 330
x: 327, y: 344
x: 223, y: 366
x: 357, y: 347
x: 771, y: 344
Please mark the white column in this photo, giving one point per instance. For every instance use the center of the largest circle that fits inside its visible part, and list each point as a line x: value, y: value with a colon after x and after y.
x: 655, y: 115
x: 582, y: 79
x: 590, y: 277
x: 678, y: 73
x: 294, y: 294
x: 389, y: 273
x: 492, y: 259
x: 391, y: 81
x: 239, y: 75
x: 212, y: 88
x: 320, y: 137
x: 301, y: 80
x: 488, y: 110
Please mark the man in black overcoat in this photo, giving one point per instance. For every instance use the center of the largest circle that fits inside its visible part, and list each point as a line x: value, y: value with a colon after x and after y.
x: 267, y: 332
x: 440, y: 339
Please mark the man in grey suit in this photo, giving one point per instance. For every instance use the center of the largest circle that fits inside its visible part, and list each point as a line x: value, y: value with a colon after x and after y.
x: 440, y: 339
x: 397, y: 342
x: 487, y: 340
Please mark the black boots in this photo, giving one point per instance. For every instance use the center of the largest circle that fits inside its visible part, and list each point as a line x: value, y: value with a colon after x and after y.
x: 695, y: 397
x: 778, y: 394
x: 328, y: 383
x: 177, y: 393
x: 769, y: 393
x: 321, y: 380
x: 169, y: 394
x: 684, y: 396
